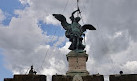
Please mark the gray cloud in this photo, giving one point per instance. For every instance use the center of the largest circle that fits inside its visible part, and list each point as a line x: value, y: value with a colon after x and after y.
x: 116, y: 29
x: 2, y: 17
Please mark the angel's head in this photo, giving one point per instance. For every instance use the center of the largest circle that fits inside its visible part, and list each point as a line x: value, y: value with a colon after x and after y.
x: 77, y: 19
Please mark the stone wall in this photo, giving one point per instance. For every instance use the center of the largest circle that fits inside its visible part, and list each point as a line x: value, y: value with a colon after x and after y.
x: 8, y: 79
x: 123, y: 77
x: 85, y: 78
x: 118, y: 77
x: 27, y: 78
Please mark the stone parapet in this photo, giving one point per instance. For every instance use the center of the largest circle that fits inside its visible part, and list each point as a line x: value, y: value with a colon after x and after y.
x: 84, y: 78
x: 123, y: 77
x: 27, y: 78
x: 8, y: 79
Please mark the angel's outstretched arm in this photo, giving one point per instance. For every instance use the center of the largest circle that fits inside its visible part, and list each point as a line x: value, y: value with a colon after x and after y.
x: 72, y: 16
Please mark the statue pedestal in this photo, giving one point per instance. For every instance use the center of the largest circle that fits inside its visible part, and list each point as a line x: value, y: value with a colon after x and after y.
x: 77, y: 63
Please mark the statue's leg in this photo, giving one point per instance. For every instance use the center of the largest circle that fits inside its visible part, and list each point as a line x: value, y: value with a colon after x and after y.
x: 81, y: 46
x: 77, y: 43
x: 73, y: 43
x: 71, y: 46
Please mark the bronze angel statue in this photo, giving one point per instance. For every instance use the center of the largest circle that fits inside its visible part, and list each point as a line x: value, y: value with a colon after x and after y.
x: 74, y: 31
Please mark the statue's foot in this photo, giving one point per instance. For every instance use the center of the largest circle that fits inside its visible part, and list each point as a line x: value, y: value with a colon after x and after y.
x: 82, y: 47
x: 72, y: 47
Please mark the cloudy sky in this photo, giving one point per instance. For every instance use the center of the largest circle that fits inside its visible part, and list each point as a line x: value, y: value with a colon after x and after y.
x: 30, y: 35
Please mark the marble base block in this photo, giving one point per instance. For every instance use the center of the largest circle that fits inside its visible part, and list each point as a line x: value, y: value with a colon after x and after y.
x: 77, y: 63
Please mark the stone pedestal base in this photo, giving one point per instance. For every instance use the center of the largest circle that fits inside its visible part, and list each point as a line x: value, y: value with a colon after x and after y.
x: 84, y: 78
x: 74, y: 72
x: 77, y: 63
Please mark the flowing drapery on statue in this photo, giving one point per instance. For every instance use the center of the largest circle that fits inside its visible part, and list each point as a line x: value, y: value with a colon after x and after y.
x: 74, y: 31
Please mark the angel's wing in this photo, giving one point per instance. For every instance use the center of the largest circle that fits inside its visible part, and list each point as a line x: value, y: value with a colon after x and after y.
x: 87, y: 26
x: 63, y: 21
